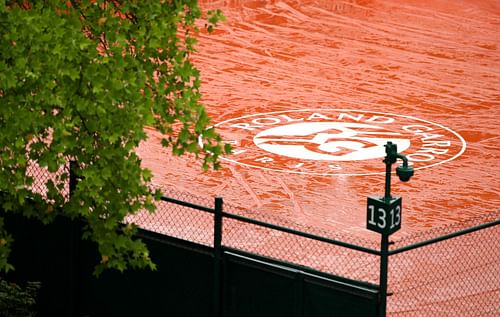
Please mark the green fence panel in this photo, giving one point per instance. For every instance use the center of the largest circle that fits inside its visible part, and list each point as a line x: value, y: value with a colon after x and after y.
x: 45, y: 254
x: 326, y: 297
x: 255, y: 287
x: 181, y: 286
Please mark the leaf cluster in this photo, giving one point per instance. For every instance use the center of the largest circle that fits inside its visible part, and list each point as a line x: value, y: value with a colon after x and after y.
x: 79, y: 80
x: 17, y: 301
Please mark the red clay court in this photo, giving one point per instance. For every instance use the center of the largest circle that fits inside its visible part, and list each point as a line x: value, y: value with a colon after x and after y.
x: 307, y: 92
x: 423, y: 73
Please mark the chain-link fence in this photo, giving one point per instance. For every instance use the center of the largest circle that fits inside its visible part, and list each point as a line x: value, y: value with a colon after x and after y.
x: 41, y: 175
x: 459, y: 276
x: 268, y: 237
x: 176, y: 220
x: 303, y: 248
x: 428, y: 275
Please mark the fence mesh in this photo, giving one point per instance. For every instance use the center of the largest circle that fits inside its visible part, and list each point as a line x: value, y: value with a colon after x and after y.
x: 290, y: 223
x: 198, y: 226
x: 455, y: 277
x: 179, y: 221
x: 42, y: 175
x: 318, y: 255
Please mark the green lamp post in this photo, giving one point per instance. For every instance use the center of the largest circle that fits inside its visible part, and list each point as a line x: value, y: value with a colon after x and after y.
x: 384, y: 214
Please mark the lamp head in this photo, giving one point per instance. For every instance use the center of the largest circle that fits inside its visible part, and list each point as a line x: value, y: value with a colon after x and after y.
x: 404, y: 172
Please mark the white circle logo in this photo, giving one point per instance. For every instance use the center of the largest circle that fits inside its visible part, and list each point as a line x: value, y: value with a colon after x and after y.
x: 335, y: 141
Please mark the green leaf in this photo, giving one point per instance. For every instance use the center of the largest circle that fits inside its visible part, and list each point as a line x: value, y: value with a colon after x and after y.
x: 83, y: 85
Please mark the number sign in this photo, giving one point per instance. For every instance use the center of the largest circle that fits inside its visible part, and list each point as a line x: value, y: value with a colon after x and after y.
x: 384, y: 216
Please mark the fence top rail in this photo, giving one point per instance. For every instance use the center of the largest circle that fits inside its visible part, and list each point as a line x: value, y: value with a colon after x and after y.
x: 328, y: 240
x: 445, y: 237
x: 272, y: 226
x: 187, y: 204
x: 301, y: 234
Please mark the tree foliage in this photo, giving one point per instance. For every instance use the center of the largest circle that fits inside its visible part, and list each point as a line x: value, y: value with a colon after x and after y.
x: 79, y: 80
x: 17, y: 301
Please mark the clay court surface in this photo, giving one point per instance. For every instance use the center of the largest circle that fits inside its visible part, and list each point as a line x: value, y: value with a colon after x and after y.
x: 307, y: 92
x: 277, y: 74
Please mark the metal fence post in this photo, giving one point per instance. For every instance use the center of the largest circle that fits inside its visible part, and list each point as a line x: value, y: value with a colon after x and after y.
x: 72, y: 177
x: 384, y: 265
x: 217, y: 258
x: 74, y: 269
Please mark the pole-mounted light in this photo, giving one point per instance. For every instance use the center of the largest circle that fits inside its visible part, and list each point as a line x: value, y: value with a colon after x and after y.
x: 384, y: 215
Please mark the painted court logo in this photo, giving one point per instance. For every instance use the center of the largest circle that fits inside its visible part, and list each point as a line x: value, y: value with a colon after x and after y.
x: 335, y: 141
